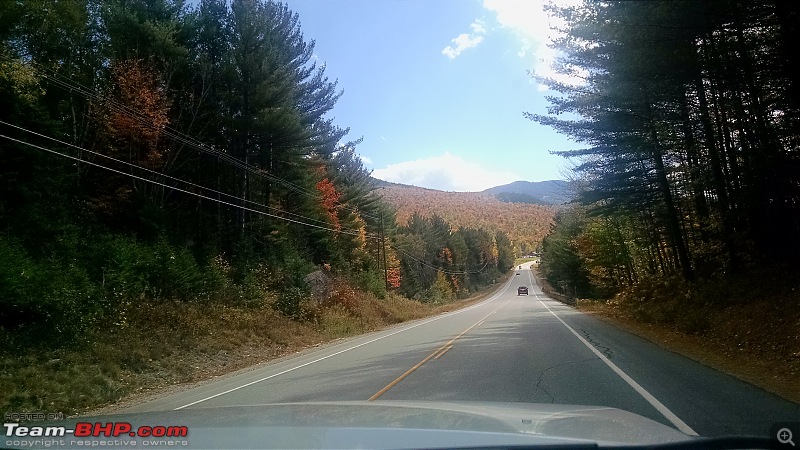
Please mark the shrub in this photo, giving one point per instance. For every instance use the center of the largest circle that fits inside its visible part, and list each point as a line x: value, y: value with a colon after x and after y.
x: 292, y: 303
x: 440, y: 291
x: 43, y: 300
x: 666, y: 301
x: 372, y: 282
x: 136, y: 270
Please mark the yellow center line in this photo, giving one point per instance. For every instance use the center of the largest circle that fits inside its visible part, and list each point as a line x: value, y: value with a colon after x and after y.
x: 438, y: 352
x: 443, y: 351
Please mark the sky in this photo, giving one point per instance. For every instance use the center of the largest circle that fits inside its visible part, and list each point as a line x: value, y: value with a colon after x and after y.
x: 437, y: 88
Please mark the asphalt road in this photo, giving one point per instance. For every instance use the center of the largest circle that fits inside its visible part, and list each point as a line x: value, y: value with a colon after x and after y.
x: 508, y: 348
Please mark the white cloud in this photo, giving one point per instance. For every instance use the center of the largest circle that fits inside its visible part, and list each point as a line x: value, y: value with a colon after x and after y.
x: 446, y: 172
x: 463, y: 42
x: 478, y: 27
x: 535, y: 29
x: 525, y: 16
x: 366, y: 159
x: 466, y: 40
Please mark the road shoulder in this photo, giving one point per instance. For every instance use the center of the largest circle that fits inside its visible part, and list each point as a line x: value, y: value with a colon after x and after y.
x: 216, y: 371
x: 765, y: 374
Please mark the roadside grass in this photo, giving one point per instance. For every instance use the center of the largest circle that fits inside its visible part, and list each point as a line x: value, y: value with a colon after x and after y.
x: 155, y: 345
x: 748, y: 327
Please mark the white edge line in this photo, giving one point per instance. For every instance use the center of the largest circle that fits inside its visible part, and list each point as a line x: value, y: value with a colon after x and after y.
x: 490, y: 299
x: 669, y: 415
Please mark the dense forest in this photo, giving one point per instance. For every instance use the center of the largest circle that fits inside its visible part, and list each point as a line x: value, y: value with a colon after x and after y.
x: 464, y: 259
x: 178, y: 150
x: 688, y: 112
x: 524, y: 224
x: 551, y: 192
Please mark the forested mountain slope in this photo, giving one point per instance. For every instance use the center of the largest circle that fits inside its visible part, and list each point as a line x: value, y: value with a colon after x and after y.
x: 525, y: 224
x: 551, y: 192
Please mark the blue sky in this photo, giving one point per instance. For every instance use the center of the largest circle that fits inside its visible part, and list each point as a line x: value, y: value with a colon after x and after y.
x: 437, y: 88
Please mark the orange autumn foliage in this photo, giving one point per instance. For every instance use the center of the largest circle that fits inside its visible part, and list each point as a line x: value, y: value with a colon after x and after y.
x: 137, y: 114
x: 525, y: 224
x: 393, y: 275
x: 329, y: 201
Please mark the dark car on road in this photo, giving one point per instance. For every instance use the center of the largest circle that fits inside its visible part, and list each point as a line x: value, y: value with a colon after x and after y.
x: 522, y: 290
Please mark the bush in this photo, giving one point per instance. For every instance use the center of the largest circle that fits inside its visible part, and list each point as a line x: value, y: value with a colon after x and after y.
x: 440, y: 291
x: 667, y: 301
x: 137, y: 270
x: 43, y: 300
x: 372, y: 282
x: 292, y: 303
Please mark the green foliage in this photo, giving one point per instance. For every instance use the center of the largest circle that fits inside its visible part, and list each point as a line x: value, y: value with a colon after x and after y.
x: 291, y: 302
x: 690, y: 133
x: 432, y: 256
x: 288, y: 278
x: 372, y: 282
x: 42, y: 301
x: 562, y: 265
x: 440, y: 291
x: 516, y: 197
x: 225, y: 100
x: 505, y: 254
x: 135, y: 270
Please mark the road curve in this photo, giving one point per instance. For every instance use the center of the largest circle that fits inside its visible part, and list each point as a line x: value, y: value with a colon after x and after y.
x: 508, y: 348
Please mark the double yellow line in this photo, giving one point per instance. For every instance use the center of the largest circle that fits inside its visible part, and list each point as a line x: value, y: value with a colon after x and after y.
x: 435, y: 355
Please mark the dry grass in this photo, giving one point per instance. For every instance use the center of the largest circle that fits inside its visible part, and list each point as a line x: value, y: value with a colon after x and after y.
x: 749, y: 328
x: 156, y: 345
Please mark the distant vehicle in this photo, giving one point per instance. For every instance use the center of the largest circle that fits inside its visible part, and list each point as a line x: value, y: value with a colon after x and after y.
x: 522, y: 290
x: 517, y: 273
x: 520, y: 267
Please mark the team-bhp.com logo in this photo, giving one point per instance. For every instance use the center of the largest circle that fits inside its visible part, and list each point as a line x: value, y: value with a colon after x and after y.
x: 97, y: 429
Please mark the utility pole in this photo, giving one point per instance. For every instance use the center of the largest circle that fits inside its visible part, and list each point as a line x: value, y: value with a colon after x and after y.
x: 383, y: 246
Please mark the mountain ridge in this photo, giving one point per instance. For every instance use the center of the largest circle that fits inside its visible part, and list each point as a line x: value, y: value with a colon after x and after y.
x: 548, y: 192
x: 524, y: 223
x: 551, y: 192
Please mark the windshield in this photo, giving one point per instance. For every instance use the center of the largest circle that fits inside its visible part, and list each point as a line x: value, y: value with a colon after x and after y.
x: 568, y: 220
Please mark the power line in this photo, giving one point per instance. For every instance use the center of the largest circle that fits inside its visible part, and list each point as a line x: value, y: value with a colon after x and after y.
x: 205, y: 197
x: 73, y: 86
x: 343, y: 231
x: 449, y: 272
x: 166, y: 176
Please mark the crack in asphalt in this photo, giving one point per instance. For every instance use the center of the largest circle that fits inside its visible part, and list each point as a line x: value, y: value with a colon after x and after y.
x: 541, y: 375
x: 603, y: 349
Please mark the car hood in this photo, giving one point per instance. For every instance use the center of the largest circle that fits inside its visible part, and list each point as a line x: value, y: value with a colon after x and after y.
x: 387, y: 424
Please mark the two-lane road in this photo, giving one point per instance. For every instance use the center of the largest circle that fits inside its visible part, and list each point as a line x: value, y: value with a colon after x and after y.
x: 508, y: 348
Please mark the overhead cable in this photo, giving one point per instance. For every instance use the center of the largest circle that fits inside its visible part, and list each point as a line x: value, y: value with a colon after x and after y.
x: 75, y: 158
